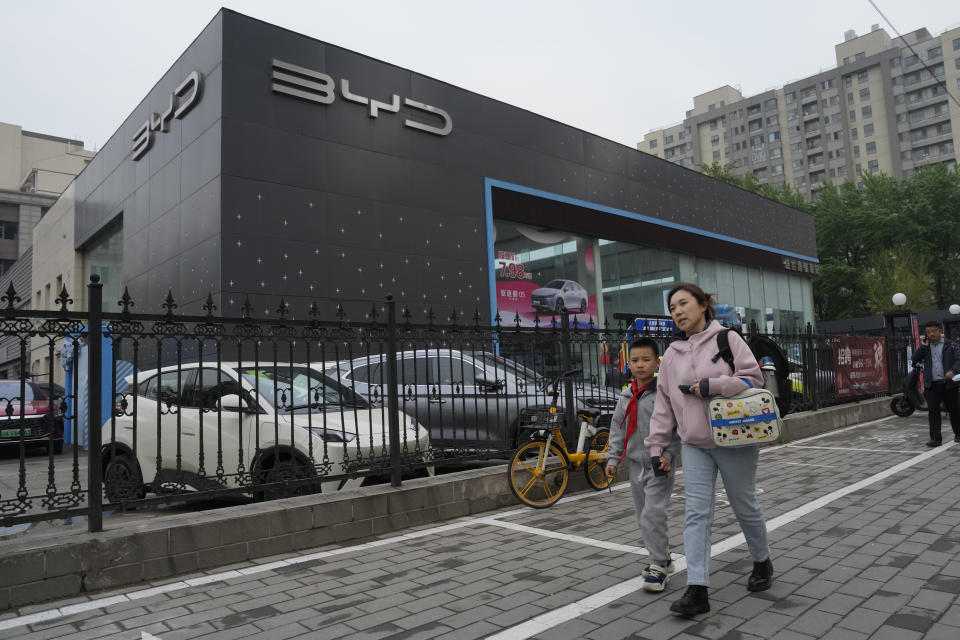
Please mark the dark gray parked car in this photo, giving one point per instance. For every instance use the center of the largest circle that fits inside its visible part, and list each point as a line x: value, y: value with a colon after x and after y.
x: 463, y: 397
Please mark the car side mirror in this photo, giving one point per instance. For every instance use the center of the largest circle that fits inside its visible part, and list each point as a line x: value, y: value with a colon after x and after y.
x: 233, y: 403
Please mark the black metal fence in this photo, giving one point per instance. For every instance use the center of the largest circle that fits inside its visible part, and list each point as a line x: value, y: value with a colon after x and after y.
x: 201, y: 406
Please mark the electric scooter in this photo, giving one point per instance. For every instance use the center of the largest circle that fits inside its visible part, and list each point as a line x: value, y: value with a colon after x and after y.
x: 904, y: 404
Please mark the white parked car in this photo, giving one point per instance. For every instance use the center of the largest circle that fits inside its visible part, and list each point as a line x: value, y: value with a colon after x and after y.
x: 253, y: 424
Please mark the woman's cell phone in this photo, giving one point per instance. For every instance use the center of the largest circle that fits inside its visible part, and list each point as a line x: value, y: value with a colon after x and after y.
x: 685, y: 388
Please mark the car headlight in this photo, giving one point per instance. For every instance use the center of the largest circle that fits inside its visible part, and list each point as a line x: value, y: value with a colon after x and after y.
x: 333, y: 435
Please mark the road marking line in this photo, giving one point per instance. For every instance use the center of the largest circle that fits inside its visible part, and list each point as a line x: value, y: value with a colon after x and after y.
x: 590, y: 542
x: 100, y: 603
x: 795, y: 446
x: 550, y: 619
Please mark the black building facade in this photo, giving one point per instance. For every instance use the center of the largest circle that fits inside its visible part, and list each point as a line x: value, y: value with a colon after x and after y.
x: 266, y: 163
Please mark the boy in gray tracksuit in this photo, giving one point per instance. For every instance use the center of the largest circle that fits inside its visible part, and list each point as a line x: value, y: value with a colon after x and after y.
x: 651, y: 490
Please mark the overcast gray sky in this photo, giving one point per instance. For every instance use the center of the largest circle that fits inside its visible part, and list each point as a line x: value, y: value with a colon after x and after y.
x: 613, y: 67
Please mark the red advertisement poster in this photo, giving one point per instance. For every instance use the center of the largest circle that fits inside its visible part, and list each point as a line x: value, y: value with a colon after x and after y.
x: 520, y: 296
x: 860, y: 365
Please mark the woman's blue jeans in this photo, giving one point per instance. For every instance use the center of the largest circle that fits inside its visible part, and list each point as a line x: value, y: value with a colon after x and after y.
x: 738, y: 468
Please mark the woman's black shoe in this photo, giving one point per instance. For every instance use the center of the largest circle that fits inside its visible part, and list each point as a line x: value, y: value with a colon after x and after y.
x: 694, y: 601
x: 762, y: 576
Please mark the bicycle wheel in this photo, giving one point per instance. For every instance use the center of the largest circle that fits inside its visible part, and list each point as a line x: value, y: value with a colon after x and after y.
x: 596, y: 469
x: 538, y: 490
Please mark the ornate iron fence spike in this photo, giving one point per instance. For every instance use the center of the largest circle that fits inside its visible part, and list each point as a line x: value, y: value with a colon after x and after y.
x: 284, y: 309
x: 496, y: 320
x: 169, y: 304
x: 406, y: 315
x: 341, y: 315
x: 430, y: 316
x: 516, y: 319
x: 453, y: 316
x: 606, y: 325
x: 374, y: 313
x: 63, y: 299
x: 476, y: 316
x: 247, y: 309
x: 536, y: 319
x: 209, y: 306
x: 590, y: 324
x: 10, y: 297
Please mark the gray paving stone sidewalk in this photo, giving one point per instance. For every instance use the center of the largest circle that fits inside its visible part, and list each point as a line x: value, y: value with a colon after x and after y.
x: 880, y: 562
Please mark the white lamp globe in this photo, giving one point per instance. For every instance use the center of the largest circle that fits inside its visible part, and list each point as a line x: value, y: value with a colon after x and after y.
x: 954, y: 309
x: 899, y: 299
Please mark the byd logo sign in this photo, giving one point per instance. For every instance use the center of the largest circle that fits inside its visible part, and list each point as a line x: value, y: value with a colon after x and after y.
x: 316, y: 86
x: 182, y: 100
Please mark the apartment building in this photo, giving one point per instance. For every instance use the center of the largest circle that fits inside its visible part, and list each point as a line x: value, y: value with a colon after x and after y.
x: 890, y: 105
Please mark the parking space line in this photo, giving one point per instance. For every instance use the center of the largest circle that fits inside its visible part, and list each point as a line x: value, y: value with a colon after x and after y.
x: 574, y: 610
x: 590, y: 542
x: 100, y: 603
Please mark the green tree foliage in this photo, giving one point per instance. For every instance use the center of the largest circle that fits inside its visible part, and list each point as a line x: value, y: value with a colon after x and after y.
x: 905, y: 269
x: 891, y: 235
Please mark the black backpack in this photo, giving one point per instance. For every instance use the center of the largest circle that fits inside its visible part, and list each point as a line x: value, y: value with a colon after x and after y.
x: 761, y: 347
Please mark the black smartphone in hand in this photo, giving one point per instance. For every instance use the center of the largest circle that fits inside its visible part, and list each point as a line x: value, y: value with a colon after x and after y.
x: 685, y: 388
x: 657, y: 471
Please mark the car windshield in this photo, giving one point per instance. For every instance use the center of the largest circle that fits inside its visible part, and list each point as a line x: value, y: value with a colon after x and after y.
x: 10, y: 389
x: 499, y: 363
x: 554, y: 284
x: 290, y: 388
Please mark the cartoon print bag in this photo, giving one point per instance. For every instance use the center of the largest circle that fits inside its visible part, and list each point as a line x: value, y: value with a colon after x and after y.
x: 747, y: 418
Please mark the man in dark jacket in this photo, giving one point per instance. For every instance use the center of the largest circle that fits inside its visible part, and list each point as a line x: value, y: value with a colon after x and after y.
x: 941, y: 379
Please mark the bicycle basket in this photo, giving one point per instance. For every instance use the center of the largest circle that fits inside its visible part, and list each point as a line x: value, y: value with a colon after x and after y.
x: 541, y: 419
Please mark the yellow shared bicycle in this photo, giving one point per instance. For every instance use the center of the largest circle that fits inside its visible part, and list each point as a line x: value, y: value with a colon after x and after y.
x: 540, y: 467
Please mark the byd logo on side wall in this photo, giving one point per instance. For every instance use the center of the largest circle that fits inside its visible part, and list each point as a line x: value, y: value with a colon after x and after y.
x: 182, y: 100
x: 317, y: 86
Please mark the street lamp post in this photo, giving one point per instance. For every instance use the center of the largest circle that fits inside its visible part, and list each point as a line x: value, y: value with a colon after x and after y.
x: 896, y: 345
x: 951, y: 326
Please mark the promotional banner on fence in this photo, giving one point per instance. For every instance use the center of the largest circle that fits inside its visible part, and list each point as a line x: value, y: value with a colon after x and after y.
x: 860, y: 366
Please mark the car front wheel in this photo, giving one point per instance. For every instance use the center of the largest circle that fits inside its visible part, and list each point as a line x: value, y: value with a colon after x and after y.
x: 122, y: 480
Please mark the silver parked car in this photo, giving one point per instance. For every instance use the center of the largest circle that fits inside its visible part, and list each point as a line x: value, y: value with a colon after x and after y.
x: 463, y: 397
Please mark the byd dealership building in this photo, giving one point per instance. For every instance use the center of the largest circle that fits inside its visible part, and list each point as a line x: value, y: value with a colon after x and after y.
x: 266, y: 163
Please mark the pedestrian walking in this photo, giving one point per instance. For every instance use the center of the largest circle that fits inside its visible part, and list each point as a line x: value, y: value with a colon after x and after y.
x: 941, y: 379
x: 651, y: 479
x: 694, y: 360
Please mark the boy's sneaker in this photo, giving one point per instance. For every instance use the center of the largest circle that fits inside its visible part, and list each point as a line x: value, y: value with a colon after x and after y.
x: 668, y: 568
x: 656, y: 578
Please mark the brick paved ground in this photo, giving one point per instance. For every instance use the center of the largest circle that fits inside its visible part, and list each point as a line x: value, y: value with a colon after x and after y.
x: 879, y: 561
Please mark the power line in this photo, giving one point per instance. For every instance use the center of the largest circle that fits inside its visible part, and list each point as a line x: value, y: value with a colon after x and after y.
x: 942, y: 83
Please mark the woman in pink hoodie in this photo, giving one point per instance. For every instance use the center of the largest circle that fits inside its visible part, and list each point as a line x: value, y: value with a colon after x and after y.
x: 693, y: 361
